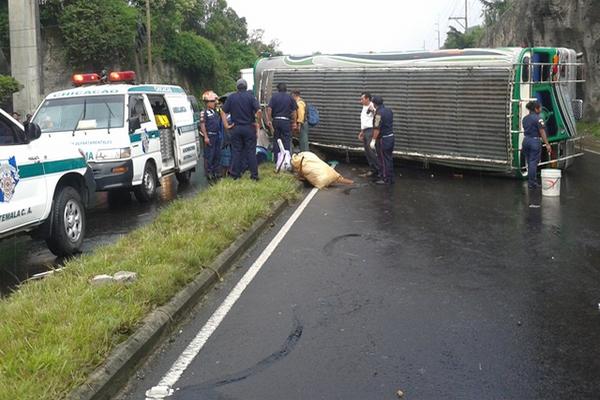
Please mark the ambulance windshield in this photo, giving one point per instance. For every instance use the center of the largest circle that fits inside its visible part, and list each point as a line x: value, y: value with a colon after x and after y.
x: 81, y: 113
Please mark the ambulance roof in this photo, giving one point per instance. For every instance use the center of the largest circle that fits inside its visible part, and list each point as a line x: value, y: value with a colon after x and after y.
x: 99, y: 90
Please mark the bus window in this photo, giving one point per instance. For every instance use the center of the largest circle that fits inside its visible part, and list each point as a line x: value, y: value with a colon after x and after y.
x: 545, y: 99
x: 137, y: 108
x: 526, y: 67
x: 541, y: 72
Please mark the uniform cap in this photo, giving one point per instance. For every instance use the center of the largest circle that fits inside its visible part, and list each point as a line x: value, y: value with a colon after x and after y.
x: 377, y: 100
x: 209, y: 95
x: 241, y: 83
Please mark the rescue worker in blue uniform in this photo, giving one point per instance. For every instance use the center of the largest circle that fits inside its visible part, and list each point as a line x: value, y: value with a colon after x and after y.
x: 244, y: 111
x: 534, y: 128
x: 211, y: 126
x: 383, y: 141
x: 281, y: 113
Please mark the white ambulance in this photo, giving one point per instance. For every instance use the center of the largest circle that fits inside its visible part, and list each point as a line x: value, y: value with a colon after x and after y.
x: 44, y: 187
x: 131, y: 135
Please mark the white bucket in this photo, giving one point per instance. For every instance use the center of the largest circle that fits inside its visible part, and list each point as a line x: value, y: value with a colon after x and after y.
x: 551, y: 182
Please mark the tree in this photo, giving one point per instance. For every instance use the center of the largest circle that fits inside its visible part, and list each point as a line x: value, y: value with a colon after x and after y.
x: 458, y: 40
x: 493, y: 10
x: 8, y: 86
x: 98, y: 33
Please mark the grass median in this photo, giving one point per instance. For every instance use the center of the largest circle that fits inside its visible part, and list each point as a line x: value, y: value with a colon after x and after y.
x: 53, y: 333
x: 589, y: 129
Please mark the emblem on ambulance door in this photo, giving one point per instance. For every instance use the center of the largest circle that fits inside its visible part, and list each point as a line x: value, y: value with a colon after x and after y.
x: 9, y: 177
x: 145, y: 141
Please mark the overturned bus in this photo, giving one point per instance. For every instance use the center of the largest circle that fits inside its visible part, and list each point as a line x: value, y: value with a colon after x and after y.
x: 454, y: 107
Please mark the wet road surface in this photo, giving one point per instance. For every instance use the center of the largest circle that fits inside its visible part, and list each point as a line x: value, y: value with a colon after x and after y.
x: 453, y: 286
x: 112, y: 216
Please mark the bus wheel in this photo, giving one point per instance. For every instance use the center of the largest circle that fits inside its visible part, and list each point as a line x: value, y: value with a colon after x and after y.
x: 147, y: 190
x: 184, y: 177
x: 68, y: 223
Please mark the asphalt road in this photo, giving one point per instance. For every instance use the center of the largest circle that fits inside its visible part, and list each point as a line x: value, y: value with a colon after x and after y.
x: 109, y: 219
x: 446, y: 286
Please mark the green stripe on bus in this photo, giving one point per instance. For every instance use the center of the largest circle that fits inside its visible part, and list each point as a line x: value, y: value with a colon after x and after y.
x: 50, y: 167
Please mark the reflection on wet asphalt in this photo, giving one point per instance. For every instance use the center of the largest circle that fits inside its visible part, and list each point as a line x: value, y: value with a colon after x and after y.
x: 113, y: 215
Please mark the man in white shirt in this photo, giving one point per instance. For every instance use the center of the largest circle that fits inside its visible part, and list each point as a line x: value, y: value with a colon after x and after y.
x: 366, y: 134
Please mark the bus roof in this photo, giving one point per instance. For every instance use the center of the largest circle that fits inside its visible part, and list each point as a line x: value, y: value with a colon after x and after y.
x: 500, y: 56
x: 99, y: 90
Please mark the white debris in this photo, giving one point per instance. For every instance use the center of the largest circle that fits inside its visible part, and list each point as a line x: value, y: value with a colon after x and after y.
x: 159, y: 392
x: 100, y: 280
x: 125, y: 277
x: 400, y: 393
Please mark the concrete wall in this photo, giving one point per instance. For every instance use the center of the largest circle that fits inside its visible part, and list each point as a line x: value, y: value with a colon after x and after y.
x: 25, y: 57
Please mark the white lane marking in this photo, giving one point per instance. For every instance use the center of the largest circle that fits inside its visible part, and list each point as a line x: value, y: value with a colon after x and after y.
x: 165, y: 386
x: 591, y: 151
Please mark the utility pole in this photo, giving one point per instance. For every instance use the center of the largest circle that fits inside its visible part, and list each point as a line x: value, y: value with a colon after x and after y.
x: 437, y: 26
x: 149, y: 39
x: 465, y: 19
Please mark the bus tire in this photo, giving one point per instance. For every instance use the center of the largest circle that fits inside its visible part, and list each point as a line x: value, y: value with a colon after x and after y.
x: 147, y: 190
x: 68, y: 223
x: 184, y: 177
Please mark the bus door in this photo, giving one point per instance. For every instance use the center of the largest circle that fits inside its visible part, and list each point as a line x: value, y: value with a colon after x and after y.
x: 185, y: 132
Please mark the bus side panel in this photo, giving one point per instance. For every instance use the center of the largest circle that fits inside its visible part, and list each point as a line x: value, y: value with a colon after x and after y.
x: 456, y: 114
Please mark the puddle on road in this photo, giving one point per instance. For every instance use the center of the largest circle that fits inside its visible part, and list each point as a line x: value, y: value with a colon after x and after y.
x: 114, y: 215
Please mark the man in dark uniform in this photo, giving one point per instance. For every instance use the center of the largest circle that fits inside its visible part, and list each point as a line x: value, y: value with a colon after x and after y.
x: 534, y: 128
x: 383, y: 141
x: 244, y: 110
x: 282, y: 110
x: 211, y: 126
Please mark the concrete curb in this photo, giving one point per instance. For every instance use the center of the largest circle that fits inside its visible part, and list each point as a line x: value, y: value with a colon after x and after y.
x: 108, y: 379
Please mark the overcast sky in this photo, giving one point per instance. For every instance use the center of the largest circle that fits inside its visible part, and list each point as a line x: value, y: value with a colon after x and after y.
x: 334, y: 26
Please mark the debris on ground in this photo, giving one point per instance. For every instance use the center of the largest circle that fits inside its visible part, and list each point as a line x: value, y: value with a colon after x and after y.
x: 100, y: 280
x: 125, y: 277
x: 400, y: 393
x: 119, y: 277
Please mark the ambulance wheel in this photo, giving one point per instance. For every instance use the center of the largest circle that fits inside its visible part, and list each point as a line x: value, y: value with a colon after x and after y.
x: 147, y: 190
x: 184, y: 177
x: 68, y: 223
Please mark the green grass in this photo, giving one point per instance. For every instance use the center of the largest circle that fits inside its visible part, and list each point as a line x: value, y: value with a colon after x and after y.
x: 54, y: 332
x: 589, y: 129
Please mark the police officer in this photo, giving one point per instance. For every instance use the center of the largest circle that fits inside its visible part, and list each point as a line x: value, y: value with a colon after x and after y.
x: 383, y: 141
x: 211, y: 126
x: 281, y: 113
x: 244, y: 110
x: 534, y: 128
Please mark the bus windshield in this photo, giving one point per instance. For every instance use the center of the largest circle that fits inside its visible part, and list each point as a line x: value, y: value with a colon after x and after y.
x: 77, y: 113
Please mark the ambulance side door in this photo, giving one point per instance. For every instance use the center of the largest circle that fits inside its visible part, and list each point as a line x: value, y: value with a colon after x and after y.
x: 186, y: 131
x: 23, y: 191
x: 141, y: 137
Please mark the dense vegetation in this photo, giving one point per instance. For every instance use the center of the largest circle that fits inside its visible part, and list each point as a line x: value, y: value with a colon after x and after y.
x: 492, y: 11
x: 206, y: 39
x: 8, y: 86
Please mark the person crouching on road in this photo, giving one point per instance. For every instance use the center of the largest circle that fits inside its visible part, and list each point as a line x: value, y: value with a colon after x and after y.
x: 211, y: 126
x: 383, y: 141
x: 534, y: 128
x: 281, y: 112
x: 244, y: 111
x: 366, y: 134
x: 301, y: 124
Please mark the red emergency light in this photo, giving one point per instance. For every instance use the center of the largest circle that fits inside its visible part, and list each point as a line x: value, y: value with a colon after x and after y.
x: 84, y: 79
x: 122, y: 76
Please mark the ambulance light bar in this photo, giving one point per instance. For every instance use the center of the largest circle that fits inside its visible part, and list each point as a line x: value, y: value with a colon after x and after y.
x: 83, y: 79
x: 122, y: 76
